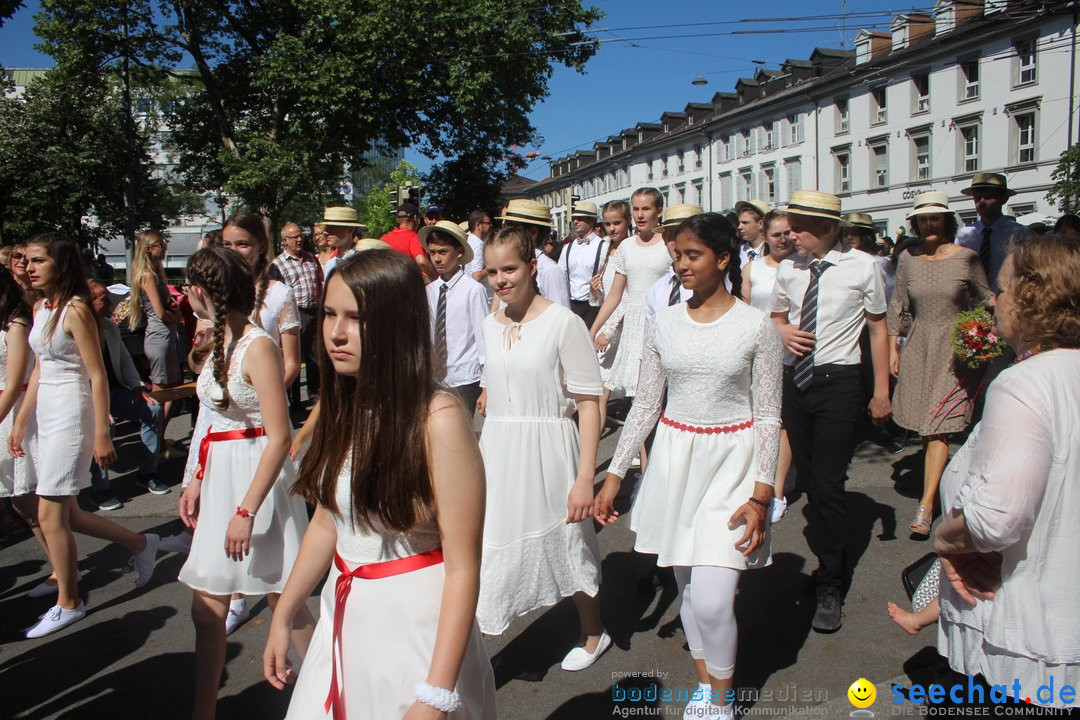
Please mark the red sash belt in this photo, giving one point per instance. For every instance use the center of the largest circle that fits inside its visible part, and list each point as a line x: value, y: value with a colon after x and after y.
x: 373, y: 571
x: 710, y: 430
x: 24, y: 388
x: 204, y: 446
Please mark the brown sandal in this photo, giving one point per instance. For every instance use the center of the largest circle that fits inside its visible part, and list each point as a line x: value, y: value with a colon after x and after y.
x: 924, y: 518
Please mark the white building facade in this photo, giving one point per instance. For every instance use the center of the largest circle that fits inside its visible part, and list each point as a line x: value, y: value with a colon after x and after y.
x: 978, y: 86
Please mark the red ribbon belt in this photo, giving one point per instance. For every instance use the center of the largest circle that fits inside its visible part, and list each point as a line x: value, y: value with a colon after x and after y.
x: 204, y: 446
x: 24, y: 388
x: 710, y: 430
x: 373, y: 571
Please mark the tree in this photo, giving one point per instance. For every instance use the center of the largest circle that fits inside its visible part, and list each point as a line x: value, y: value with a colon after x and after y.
x: 62, y: 157
x: 1065, y: 192
x: 286, y: 93
x: 470, y: 181
x: 376, y: 208
x: 7, y: 9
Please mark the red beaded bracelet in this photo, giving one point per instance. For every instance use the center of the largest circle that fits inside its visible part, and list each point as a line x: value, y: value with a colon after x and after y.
x: 244, y: 512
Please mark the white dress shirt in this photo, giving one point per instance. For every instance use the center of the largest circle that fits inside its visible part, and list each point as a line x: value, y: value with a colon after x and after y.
x: 477, y: 246
x: 551, y: 280
x: 849, y: 287
x: 466, y: 308
x: 744, y: 252
x: 1003, y: 233
x: 332, y: 263
x: 657, y: 297
x: 586, y: 256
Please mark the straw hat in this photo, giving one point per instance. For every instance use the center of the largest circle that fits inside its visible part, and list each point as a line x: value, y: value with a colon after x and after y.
x: 930, y: 203
x: 464, y: 225
x: 813, y: 203
x: 527, y: 212
x: 675, y: 214
x: 988, y: 181
x: 342, y: 217
x: 757, y: 206
x: 585, y: 209
x: 859, y: 220
x: 371, y: 244
x: 448, y: 228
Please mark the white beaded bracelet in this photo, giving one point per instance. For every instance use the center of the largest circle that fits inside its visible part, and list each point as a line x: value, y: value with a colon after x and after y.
x: 437, y: 697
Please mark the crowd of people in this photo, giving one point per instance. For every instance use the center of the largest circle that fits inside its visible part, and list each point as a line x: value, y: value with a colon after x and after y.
x: 753, y: 347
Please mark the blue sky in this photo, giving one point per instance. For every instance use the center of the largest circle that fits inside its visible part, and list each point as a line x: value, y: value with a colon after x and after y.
x: 651, y: 50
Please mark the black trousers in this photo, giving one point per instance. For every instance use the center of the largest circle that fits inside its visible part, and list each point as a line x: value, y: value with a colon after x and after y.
x: 309, y: 356
x: 585, y: 311
x: 469, y: 394
x: 821, y: 426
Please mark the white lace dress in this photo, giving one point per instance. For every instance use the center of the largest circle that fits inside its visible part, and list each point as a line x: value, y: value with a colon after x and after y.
x: 607, y: 357
x: 230, y: 466
x: 532, y: 557
x: 717, y: 375
x: 388, y: 630
x: 17, y: 476
x: 641, y: 266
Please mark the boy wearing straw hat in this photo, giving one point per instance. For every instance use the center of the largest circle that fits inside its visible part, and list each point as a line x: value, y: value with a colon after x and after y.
x: 341, y: 227
x: 751, y: 229
x: 536, y: 219
x: 458, y: 306
x: 993, y: 234
x: 821, y: 302
x: 580, y: 261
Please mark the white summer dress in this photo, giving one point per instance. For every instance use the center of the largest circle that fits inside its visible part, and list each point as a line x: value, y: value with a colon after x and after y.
x: 17, y: 475
x: 65, y: 409
x: 641, y: 266
x: 280, y: 521
x: 532, y: 557
x: 607, y: 357
x: 762, y: 282
x: 388, y: 630
x: 722, y: 374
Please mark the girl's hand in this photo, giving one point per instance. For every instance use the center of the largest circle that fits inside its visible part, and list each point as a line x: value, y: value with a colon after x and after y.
x: 420, y: 711
x: 753, y: 516
x: 894, y: 362
x: 481, y: 403
x: 603, y: 506
x: 189, y: 504
x: 104, y: 452
x: 601, y: 342
x: 238, y: 537
x: 579, y: 501
x: 597, y: 284
x: 18, y: 432
x: 277, y: 668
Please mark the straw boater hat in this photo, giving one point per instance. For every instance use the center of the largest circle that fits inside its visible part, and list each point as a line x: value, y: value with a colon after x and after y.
x: 372, y: 244
x: 859, y: 220
x: 812, y: 203
x: 988, y: 181
x: 930, y: 203
x: 464, y: 225
x: 675, y: 214
x: 446, y: 227
x: 758, y: 206
x: 342, y: 217
x: 528, y: 212
x: 585, y: 209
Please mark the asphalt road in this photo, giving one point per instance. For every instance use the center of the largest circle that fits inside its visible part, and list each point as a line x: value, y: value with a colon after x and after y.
x: 132, y: 657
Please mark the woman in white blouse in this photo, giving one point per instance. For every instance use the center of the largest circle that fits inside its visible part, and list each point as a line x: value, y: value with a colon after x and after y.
x: 1009, y: 608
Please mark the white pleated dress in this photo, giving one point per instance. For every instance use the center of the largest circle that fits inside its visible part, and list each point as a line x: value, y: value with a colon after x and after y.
x: 17, y: 475
x: 388, y: 630
x: 722, y: 374
x: 532, y: 557
x: 65, y: 409
x: 230, y: 466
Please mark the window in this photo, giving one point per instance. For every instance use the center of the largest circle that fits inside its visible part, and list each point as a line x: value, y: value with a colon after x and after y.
x: 879, y: 165
x: 970, y: 75
x: 1025, y: 137
x: 721, y: 150
x: 697, y: 157
x: 726, y: 199
x: 921, y: 86
x: 651, y: 173
x: 843, y: 170
x: 663, y: 167
x: 843, y: 116
x: 745, y: 143
x: 768, y: 184
x: 920, y: 145
x: 795, y: 128
x: 969, y: 140
x: 623, y: 181
x: 769, y: 140
x: 877, y: 98
x: 794, y: 176
x: 697, y: 186
x: 1025, y: 62
x: 745, y: 180
x: 680, y: 160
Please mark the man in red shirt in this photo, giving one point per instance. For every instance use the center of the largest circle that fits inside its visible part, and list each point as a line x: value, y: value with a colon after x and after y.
x: 405, y: 240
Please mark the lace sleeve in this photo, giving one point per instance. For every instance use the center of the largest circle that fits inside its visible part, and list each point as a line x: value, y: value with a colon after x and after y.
x: 652, y: 380
x: 766, y: 390
x: 289, y: 317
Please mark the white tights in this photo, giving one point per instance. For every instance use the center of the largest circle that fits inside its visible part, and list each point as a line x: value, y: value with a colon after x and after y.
x: 708, y: 615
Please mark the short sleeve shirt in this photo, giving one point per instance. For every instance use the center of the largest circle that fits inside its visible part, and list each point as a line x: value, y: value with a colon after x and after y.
x: 405, y: 241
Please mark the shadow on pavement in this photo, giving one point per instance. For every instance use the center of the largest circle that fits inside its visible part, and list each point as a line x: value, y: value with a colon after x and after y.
x: 635, y: 694
x: 907, y: 475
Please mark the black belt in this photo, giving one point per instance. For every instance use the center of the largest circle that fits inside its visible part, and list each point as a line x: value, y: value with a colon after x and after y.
x: 834, y: 369
x: 311, y: 310
x: 579, y: 302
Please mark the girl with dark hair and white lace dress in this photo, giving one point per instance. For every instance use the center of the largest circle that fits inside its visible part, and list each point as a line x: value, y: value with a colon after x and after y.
x: 702, y: 504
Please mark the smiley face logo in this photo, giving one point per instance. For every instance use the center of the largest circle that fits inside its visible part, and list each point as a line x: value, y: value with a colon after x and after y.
x: 862, y: 693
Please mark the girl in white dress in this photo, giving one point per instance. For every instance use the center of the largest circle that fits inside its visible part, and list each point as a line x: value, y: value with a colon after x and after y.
x: 240, y: 501
x: 617, y: 224
x: 539, y: 542
x: 398, y: 485
x: 702, y: 504
x: 68, y: 398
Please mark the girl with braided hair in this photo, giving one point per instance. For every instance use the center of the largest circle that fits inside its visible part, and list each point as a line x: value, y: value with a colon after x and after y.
x: 239, y: 499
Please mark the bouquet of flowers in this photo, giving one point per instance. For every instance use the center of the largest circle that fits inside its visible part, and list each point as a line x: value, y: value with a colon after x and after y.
x: 973, y: 339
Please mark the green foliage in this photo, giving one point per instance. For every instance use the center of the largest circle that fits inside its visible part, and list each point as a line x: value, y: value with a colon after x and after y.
x: 1065, y: 192
x: 376, y: 207
x: 466, y: 183
x: 8, y: 8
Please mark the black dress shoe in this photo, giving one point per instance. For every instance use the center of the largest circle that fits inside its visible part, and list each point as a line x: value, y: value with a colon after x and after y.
x: 828, y: 616
x: 898, y: 443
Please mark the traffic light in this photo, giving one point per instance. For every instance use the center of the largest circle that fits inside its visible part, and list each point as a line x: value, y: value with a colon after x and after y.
x: 414, y: 196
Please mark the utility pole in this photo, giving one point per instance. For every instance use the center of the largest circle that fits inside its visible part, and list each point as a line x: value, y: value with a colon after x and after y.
x: 129, y: 151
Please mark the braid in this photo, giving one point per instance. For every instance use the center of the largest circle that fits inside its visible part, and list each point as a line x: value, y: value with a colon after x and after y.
x: 735, y: 274
x: 262, y: 284
x: 221, y: 375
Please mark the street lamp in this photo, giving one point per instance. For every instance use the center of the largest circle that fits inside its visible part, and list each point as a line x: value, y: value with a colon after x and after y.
x: 699, y: 80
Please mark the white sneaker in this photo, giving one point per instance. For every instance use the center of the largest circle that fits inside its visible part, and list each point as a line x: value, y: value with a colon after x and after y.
x: 178, y: 543
x: 236, y: 618
x: 779, y: 507
x: 579, y: 658
x: 144, y: 561
x: 55, y: 619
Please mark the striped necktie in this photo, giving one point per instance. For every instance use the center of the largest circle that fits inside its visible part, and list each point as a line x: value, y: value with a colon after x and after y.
x: 675, y: 296
x: 984, y: 251
x: 439, y: 349
x: 804, y: 366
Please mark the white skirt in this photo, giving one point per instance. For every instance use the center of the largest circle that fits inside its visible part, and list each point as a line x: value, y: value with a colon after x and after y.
x: 388, y: 637
x: 17, y: 475
x: 279, y: 525
x: 693, y: 484
x: 65, y: 438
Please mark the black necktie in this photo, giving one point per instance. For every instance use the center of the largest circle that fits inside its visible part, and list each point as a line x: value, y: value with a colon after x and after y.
x: 804, y: 366
x: 984, y: 251
x: 750, y: 255
x: 439, y: 350
x: 675, y: 297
